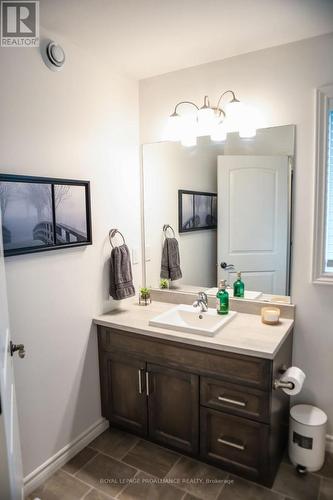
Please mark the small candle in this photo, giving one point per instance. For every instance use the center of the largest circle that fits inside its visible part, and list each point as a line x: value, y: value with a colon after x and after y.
x: 270, y: 315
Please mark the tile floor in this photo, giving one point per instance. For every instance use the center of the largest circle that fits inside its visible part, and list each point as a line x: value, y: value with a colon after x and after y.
x: 121, y: 466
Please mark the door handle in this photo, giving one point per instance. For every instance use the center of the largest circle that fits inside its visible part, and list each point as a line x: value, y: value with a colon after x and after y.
x: 140, y: 381
x: 147, y: 384
x: 231, y: 401
x: 231, y: 444
x: 227, y: 267
x: 17, y: 347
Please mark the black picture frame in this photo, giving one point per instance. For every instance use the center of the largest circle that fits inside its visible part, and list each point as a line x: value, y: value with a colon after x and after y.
x: 192, y: 223
x: 60, y: 235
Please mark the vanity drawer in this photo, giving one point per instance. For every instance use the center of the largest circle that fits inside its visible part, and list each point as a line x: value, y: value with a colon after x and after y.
x: 233, y: 398
x: 238, y: 444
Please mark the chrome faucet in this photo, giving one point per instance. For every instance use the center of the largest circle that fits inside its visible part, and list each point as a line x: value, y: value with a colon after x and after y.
x: 201, y: 301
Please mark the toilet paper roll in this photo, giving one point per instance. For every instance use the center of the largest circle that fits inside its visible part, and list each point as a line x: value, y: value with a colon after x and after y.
x: 296, y: 376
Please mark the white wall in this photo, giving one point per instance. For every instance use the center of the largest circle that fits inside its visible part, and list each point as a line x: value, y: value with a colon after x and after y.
x: 80, y: 123
x: 280, y: 83
x: 167, y: 167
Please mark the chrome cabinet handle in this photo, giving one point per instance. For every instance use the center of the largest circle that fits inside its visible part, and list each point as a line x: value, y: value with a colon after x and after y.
x: 231, y: 444
x: 140, y: 381
x: 231, y: 401
x: 147, y: 384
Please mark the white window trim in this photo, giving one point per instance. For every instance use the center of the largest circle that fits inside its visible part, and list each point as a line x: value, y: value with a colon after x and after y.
x: 319, y: 276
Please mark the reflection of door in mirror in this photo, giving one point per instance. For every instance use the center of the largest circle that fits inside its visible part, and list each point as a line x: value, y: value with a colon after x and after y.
x: 253, y: 209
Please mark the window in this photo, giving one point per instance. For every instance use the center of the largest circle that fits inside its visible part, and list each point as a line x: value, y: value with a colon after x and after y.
x: 329, y: 201
x: 323, y: 231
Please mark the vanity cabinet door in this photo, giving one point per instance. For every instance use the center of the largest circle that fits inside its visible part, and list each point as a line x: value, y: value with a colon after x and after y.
x: 173, y: 406
x: 124, y: 392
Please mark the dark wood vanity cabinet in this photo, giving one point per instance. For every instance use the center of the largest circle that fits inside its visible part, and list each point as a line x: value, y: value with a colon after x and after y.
x: 214, y: 405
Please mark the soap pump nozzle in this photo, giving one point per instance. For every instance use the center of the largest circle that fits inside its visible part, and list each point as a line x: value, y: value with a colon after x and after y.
x: 223, y: 284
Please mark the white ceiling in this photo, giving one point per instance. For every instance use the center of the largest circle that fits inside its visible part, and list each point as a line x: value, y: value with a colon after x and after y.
x: 143, y: 38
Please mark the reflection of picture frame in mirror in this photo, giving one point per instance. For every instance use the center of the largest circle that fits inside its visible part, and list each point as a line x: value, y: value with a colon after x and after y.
x: 41, y: 213
x: 197, y: 211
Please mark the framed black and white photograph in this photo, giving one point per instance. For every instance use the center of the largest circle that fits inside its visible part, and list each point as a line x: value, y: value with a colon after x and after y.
x: 41, y: 213
x: 196, y: 211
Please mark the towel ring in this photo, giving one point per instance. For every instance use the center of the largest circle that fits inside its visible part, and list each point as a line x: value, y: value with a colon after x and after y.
x: 166, y: 227
x: 112, y: 234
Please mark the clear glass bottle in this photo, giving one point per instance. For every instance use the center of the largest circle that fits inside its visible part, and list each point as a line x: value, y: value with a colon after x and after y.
x: 239, y: 287
x: 222, y: 299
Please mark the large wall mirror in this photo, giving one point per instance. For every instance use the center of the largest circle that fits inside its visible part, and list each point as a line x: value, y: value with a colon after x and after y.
x: 228, y: 205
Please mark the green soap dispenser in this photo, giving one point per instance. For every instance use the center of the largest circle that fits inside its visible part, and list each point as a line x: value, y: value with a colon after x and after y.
x: 222, y: 299
x: 239, y: 286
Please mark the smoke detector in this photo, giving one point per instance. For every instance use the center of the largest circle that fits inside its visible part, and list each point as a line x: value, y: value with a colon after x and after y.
x: 55, y: 56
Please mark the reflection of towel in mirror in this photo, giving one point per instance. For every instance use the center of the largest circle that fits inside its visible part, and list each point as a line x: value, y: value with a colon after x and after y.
x: 170, y: 265
x: 121, y: 282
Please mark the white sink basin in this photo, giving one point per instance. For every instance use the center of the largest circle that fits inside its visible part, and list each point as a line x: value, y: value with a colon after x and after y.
x: 248, y: 294
x: 188, y: 319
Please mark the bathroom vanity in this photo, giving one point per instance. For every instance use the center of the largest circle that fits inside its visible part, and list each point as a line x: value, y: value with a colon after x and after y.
x: 211, y: 398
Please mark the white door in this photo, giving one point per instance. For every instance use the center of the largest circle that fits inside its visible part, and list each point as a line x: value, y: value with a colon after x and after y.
x: 11, y: 479
x: 253, y: 220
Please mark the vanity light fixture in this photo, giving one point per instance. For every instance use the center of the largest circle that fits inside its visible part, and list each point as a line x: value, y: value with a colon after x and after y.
x: 209, y: 120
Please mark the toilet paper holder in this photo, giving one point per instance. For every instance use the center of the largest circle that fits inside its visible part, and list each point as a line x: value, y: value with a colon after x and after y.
x: 280, y: 384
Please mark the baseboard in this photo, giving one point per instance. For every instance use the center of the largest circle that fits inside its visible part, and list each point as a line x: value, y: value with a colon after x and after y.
x: 44, y: 471
x: 329, y: 443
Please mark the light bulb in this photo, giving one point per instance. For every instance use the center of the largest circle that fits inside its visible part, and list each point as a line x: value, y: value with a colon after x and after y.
x: 219, y: 133
x: 189, y: 130
x: 234, y: 111
x: 247, y: 128
x: 206, y: 120
x: 173, y: 127
x: 189, y: 141
x: 247, y: 132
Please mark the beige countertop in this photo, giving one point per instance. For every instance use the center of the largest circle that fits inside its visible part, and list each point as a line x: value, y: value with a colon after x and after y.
x: 244, y: 334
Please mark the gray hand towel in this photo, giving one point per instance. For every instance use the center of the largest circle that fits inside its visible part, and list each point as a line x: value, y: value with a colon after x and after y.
x: 121, y: 281
x: 170, y: 265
